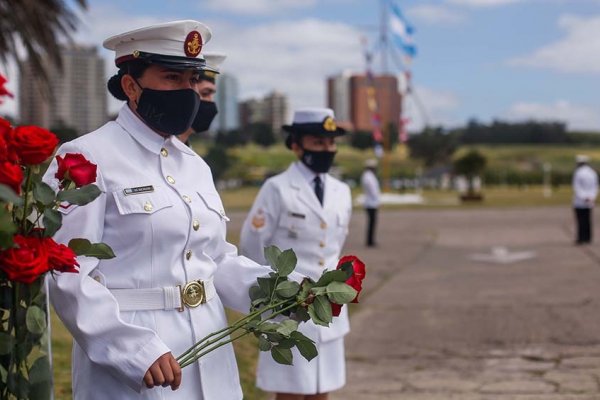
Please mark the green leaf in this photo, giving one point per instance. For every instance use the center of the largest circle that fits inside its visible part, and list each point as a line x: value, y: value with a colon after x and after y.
x: 3, y: 373
x: 263, y: 344
x: 287, y: 289
x: 8, y: 195
x: 282, y: 356
x: 347, y: 268
x: 322, y: 309
x: 83, y: 247
x: 286, y: 327
x: 255, y: 292
x: 18, y: 385
x: 271, y: 255
x: 82, y: 196
x: 267, y: 285
x: 7, y: 228
x: 307, y: 349
x: 286, y: 262
x: 52, y: 221
x: 331, y: 276
x: 268, y: 327
x: 287, y: 344
x: 35, y: 320
x: 7, y: 343
x: 40, y: 371
x: 315, y: 317
x: 101, y: 251
x: 301, y: 314
x: 274, y: 337
x: 43, y: 193
x: 341, y: 293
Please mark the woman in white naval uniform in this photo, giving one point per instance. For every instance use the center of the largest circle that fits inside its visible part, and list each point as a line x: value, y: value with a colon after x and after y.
x: 308, y: 210
x: 159, y: 211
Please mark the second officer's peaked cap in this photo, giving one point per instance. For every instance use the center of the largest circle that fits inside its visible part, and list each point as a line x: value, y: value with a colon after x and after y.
x: 213, y: 63
x: 176, y: 44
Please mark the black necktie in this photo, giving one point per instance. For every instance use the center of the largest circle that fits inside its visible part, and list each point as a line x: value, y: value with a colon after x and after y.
x: 319, y: 189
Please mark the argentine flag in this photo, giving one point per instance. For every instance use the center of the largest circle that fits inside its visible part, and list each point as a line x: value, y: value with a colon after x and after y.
x: 402, y: 31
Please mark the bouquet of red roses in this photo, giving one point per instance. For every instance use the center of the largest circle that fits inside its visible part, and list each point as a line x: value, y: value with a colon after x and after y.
x: 279, y: 305
x: 29, y: 217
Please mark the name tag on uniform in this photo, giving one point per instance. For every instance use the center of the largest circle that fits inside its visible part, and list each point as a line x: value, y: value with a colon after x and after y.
x: 296, y: 215
x: 138, y: 190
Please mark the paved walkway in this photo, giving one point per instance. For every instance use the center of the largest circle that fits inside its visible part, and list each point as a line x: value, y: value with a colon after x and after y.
x: 434, y: 324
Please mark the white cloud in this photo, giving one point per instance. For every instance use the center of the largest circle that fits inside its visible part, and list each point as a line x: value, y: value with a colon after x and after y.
x: 258, y: 7
x: 577, y: 117
x: 435, y: 14
x: 294, y: 57
x: 432, y: 105
x: 578, y: 51
x: 483, y: 3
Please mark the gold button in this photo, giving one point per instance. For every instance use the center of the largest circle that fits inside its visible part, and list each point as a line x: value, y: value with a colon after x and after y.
x: 170, y: 179
x: 148, y: 206
x: 187, y: 198
x: 196, y: 224
x: 323, y: 225
x: 321, y: 263
x: 188, y: 254
x: 97, y: 279
x: 164, y: 152
x: 322, y: 244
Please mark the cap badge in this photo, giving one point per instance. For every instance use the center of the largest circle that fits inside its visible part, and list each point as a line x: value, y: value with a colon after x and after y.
x: 193, y: 44
x: 329, y: 124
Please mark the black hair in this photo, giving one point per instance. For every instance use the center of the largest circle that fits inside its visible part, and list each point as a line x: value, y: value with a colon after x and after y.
x: 135, y: 68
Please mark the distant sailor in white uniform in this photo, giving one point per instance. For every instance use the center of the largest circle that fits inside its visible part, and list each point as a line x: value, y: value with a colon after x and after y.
x: 161, y: 214
x: 585, y: 190
x: 308, y: 210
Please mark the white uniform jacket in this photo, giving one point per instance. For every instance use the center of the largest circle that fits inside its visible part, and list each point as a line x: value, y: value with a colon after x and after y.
x: 287, y: 214
x: 585, y: 187
x: 370, y: 187
x: 170, y: 232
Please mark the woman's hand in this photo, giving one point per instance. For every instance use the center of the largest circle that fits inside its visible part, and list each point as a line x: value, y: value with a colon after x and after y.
x: 165, y: 371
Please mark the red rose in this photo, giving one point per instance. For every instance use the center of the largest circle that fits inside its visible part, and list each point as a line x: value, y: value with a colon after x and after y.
x: 77, y: 168
x: 6, y: 151
x: 33, y: 144
x: 11, y: 175
x: 26, y: 262
x: 355, y: 281
x: 60, y: 257
x: 4, y: 91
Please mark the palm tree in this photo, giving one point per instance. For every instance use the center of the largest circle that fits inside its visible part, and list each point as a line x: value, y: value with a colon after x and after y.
x: 38, y: 26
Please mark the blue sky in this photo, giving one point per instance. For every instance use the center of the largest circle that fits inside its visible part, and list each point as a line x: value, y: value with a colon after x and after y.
x: 483, y: 59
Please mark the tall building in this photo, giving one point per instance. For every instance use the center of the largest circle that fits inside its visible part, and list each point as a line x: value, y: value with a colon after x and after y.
x: 79, y: 98
x: 271, y: 110
x: 348, y: 96
x: 226, y: 98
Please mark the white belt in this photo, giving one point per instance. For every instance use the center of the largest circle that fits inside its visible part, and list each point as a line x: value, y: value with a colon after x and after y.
x: 191, y: 295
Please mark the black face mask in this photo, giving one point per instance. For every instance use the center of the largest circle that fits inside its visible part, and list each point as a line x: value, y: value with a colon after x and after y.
x: 205, y: 115
x: 168, y: 111
x: 318, y: 161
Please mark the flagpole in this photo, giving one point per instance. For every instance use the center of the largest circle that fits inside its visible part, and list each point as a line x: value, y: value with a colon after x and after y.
x: 385, y: 130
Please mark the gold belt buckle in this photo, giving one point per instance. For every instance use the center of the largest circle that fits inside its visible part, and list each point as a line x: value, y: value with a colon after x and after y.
x: 193, y: 294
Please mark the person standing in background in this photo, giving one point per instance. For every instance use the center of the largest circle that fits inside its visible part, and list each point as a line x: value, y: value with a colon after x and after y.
x: 372, y: 194
x: 308, y: 210
x: 206, y: 87
x: 585, y: 190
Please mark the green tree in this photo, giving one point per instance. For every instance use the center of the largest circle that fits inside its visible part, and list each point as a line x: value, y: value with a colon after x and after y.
x: 218, y: 160
x: 433, y: 146
x: 470, y: 165
x: 38, y: 26
x: 261, y: 134
x: 361, y: 140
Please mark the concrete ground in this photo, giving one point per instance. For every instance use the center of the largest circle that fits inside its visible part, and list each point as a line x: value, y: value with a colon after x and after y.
x: 434, y: 324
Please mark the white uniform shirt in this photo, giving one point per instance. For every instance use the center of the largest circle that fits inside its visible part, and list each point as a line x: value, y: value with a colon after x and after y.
x: 585, y: 187
x: 370, y: 187
x: 287, y: 214
x: 170, y: 235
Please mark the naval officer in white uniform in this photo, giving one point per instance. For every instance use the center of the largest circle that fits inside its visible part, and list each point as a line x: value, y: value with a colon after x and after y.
x: 308, y: 210
x: 585, y: 190
x: 161, y: 214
